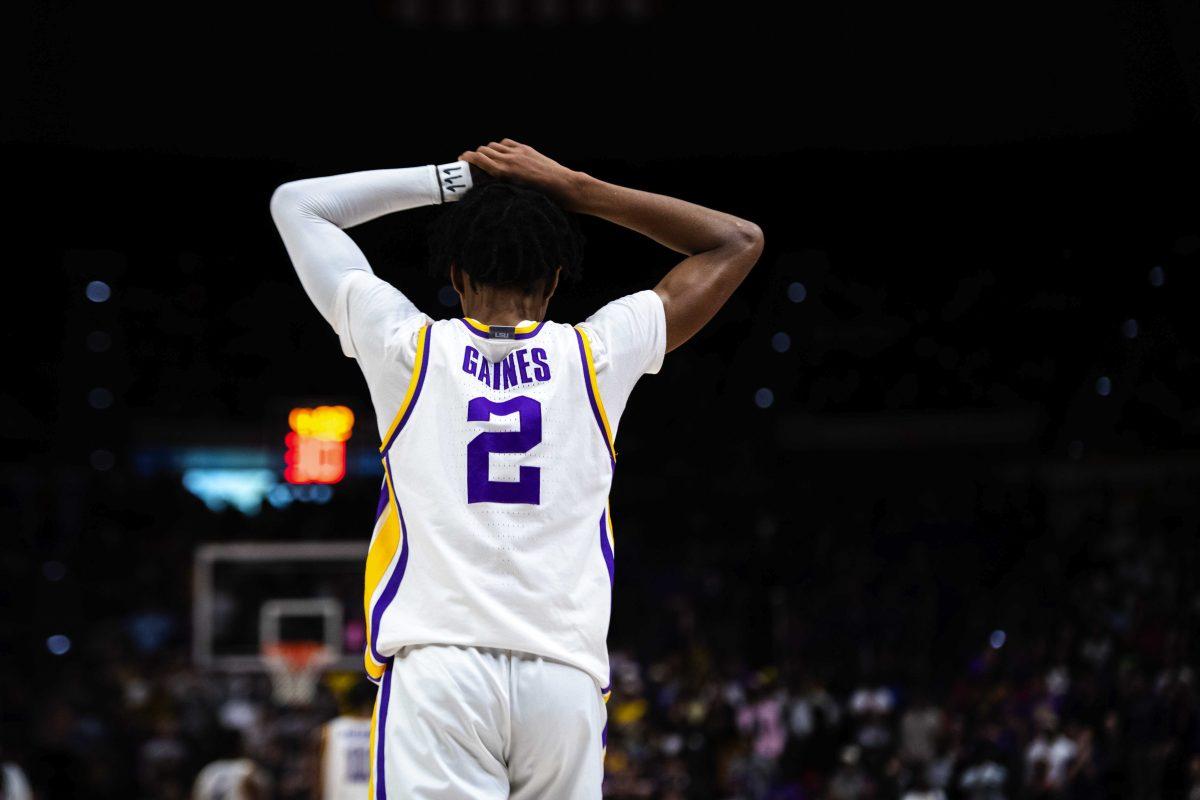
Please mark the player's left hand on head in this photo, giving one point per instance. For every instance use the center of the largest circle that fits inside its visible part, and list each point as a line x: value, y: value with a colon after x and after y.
x: 510, y: 160
x: 479, y: 177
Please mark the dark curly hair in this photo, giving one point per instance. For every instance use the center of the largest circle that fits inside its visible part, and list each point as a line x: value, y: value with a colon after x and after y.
x: 502, y: 234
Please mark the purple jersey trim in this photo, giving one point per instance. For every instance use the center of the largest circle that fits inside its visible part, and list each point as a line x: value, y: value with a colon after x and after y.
x: 605, y: 547
x: 383, y: 501
x: 393, y: 584
x: 587, y: 384
x: 380, y: 728
x: 412, y: 403
x: 516, y: 336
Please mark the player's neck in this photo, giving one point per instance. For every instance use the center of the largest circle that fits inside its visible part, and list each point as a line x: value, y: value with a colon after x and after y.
x: 505, y: 308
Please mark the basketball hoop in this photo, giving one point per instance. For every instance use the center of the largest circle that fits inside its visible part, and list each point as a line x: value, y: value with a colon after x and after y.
x: 295, y: 668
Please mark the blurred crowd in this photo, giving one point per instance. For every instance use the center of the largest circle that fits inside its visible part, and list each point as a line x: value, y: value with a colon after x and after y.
x: 1092, y: 692
x: 1092, y: 695
x: 1077, y: 716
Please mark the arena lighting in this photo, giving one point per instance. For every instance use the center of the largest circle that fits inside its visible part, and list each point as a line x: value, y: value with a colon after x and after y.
x: 58, y: 644
x: 316, y: 444
x: 98, y: 291
x: 219, y: 489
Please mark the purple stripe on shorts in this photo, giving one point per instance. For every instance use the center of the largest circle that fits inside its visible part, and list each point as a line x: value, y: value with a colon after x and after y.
x: 380, y: 729
x: 383, y: 501
x: 482, y: 335
x: 587, y: 383
x: 389, y: 591
x: 605, y: 547
x: 412, y: 403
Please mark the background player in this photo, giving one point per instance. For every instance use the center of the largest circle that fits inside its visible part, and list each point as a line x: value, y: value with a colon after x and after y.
x: 345, y: 748
x: 486, y: 597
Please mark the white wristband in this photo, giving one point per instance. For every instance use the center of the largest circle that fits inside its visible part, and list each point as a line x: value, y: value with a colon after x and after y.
x: 454, y: 180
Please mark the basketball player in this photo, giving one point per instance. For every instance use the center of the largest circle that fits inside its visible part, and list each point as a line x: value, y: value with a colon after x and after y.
x: 489, y: 573
x: 345, y: 757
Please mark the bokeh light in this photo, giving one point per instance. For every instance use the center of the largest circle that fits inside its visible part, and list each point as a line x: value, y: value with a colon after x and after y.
x: 98, y: 291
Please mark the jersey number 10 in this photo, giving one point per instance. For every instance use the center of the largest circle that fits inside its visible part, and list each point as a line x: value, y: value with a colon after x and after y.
x: 480, y: 487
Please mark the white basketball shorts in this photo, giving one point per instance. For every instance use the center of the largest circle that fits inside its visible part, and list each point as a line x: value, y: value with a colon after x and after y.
x: 469, y: 722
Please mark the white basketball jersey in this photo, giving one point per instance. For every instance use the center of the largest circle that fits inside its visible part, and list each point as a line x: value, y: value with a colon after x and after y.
x: 493, y: 529
x: 346, y: 759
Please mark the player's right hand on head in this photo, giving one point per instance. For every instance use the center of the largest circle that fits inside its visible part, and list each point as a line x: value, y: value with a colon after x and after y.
x: 510, y: 160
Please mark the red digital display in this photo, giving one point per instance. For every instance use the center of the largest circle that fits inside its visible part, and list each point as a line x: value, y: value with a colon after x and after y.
x: 316, y: 444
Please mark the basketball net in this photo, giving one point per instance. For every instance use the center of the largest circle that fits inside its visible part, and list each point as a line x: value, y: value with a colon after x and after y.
x: 295, y: 668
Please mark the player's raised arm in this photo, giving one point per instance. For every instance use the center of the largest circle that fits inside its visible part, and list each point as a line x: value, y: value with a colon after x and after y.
x: 720, y: 248
x: 311, y: 215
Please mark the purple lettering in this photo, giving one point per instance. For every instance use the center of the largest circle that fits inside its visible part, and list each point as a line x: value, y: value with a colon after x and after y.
x: 541, y: 367
x: 480, y: 487
x: 523, y: 364
x: 510, y: 371
x: 470, y: 360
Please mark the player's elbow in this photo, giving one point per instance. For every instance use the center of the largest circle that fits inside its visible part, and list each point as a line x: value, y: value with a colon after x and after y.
x: 746, y: 236
x: 285, y: 199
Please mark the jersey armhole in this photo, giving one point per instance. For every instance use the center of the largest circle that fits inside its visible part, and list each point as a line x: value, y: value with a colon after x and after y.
x: 593, y: 391
x: 420, y: 365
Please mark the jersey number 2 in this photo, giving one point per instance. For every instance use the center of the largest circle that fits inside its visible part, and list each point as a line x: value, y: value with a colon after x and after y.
x: 480, y: 487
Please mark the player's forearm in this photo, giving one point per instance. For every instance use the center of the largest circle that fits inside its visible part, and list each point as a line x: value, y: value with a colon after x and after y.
x: 357, y: 197
x: 311, y: 215
x: 720, y: 248
x: 684, y: 227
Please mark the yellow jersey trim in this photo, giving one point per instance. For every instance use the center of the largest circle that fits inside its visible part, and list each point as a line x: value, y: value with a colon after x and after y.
x: 412, y: 386
x: 384, y: 547
x: 591, y: 368
x: 479, y: 326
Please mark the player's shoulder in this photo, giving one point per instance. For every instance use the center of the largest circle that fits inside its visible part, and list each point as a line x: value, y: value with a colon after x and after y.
x: 630, y: 329
x: 636, y: 309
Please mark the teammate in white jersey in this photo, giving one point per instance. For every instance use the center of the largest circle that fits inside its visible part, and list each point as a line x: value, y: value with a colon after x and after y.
x: 489, y: 574
x: 345, y: 757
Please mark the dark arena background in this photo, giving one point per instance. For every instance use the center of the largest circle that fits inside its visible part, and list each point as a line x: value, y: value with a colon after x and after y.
x: 915, y: 517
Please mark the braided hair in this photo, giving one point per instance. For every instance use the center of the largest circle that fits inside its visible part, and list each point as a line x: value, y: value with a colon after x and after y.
x: 502, y: 234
